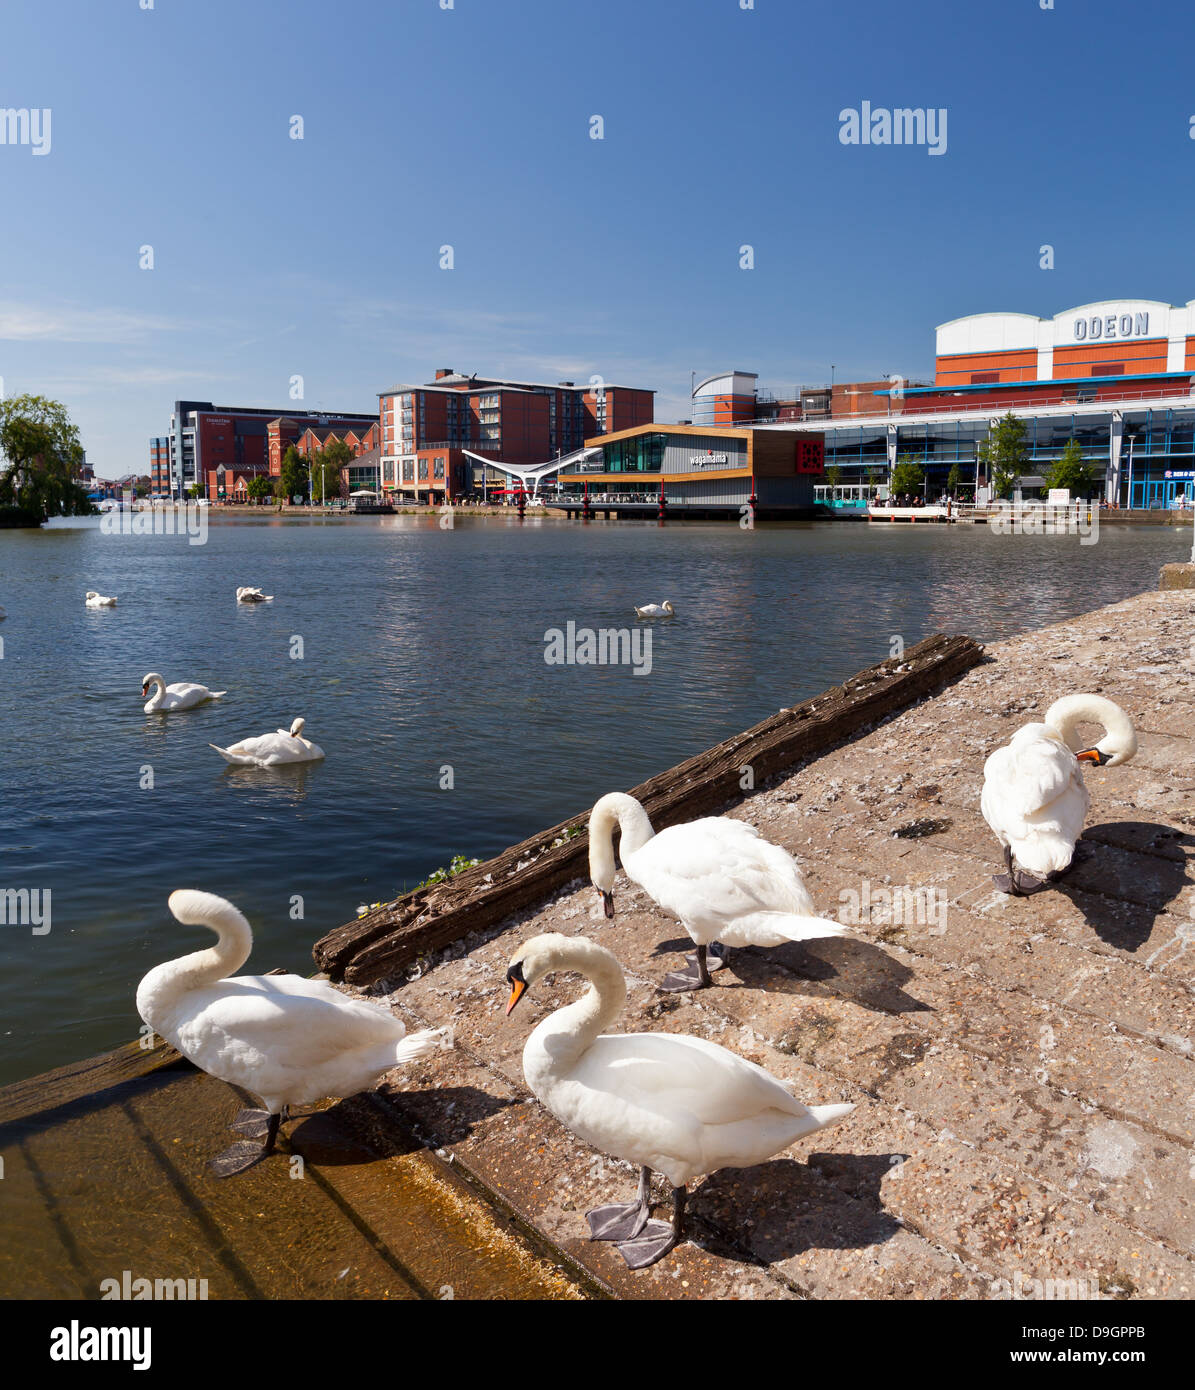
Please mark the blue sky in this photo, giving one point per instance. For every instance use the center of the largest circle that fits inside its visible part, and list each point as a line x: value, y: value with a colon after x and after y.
x: 470, y: 127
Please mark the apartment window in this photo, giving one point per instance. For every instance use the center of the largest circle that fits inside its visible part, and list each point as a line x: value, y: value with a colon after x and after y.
x: 408, y: 470
x: 388, y: 471
x: 439, y: 468
x: 423, y: 470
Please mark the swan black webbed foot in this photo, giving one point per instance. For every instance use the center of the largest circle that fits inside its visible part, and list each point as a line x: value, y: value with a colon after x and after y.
x: 254, y: 1124
x: 622, y: 1221
x: 244, y: 1154
x: 657, y: 1238
x: 696, y: 974
x: 1018, y: 883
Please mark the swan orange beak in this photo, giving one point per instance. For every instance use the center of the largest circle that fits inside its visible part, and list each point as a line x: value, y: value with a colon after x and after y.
x: 1092, y: 755
x: 518, y: 986
x: 145, y: 690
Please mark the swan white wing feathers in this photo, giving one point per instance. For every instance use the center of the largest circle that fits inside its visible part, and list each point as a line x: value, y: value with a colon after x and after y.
x: 266, y: 750
x: 1035, y: 800
x: 300, y: 1023
x: 725, y: 883
x: 678, y: 1104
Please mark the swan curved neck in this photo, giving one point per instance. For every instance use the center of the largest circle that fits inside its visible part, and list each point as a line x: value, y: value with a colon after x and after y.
x: 158, y: 690
x: 566, y: 1034
x: 1067, y: 714
x: 616, y: 809
x: 167, y: 983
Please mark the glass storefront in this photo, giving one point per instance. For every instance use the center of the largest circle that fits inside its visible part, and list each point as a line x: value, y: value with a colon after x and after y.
x: 641, y: 453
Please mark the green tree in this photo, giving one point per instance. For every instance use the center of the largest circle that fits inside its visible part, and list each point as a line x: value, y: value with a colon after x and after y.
x: 1071, y: 470
x: 1003, y: 455
x: 40, y: 457
x: 294, y: 477
x: 326, y: 466
x: 834, y: 475
x: 259, y: 486
x: 907, y: 476
x: 953, y: 479
x: 195, y: 490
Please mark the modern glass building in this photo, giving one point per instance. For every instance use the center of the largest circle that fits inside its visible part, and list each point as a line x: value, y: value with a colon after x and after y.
x: 1117, y: 377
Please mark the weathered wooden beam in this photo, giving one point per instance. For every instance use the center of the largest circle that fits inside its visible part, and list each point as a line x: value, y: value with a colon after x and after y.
x: 391, y: 936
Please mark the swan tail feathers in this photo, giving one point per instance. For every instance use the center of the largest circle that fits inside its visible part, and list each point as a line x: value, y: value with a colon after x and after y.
x: 1043, y: 855
x: 829, y: 1114
x: 794, y: 928
x: 422, y: 1044
x: 227, y: 754
x: 218, y: 695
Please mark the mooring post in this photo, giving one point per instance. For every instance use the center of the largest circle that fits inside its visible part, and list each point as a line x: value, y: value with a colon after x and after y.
x: 660, y: 509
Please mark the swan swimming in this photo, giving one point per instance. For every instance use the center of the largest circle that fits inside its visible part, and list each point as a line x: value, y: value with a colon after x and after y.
x: 95, y: 600
x: 667, y: 1102
x: 1034, y: 797
x: 716, y: 875
x: 182, y: 695
x: 656, y: 610
x: 289, y: 1040
x: 268, y: 750
x: 247, y: 595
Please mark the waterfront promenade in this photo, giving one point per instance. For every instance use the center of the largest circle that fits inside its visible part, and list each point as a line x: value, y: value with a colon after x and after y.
x: 1022, y: 1069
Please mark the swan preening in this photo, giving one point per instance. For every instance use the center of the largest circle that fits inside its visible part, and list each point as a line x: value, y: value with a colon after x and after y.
x: 1034, y: 797
x: 269, y: 750
x: 656, y: 610
x: 247, y: 595
x: 716, y: 875
x: 667, y: 1102
x: 182, y: 695
x: 288, y: 1040
x: 95, y: 600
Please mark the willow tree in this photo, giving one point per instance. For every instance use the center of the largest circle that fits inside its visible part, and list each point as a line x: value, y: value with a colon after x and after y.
x: 40, y: 458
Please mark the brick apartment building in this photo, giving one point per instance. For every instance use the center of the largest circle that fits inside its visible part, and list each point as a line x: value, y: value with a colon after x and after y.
x: 425, y: 430
x: 222, y: 447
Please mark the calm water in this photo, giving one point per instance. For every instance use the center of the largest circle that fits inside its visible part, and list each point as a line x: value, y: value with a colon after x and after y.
x: 422, y: 648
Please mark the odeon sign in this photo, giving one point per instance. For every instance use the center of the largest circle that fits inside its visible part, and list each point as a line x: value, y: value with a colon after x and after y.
x: 1112, y: 326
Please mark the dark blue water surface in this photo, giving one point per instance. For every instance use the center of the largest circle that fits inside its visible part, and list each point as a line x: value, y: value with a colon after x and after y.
x: 423, y: 647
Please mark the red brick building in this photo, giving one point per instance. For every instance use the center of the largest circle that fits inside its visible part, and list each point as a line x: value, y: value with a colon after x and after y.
x: 426, y: 430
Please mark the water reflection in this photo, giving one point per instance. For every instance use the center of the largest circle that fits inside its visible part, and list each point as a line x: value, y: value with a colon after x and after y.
x: 423, y: 648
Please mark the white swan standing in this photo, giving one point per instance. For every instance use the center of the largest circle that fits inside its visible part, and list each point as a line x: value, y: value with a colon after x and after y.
x: 289, y: 1040
x: 716, y: 875
x: 95, y: 600
x: 668, y: 1102
x: 656, y: 610
x: 247, y: 595
x: 1034, y: 797
x: 268, y: 750
x: 181, y: 695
